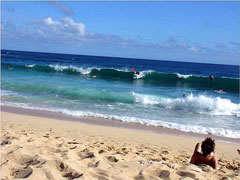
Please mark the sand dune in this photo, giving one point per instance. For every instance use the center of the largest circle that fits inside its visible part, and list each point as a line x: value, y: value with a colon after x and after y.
x: 37, y: 148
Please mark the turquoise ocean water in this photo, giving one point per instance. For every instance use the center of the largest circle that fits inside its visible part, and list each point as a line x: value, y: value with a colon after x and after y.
x: 106, y: 87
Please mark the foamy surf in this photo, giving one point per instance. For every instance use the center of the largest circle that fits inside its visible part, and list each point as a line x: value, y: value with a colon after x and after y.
x: 198, y: 104
x: 73, y: 68
x: 190, y: 103
x: 183, y: 76
x: 185, y: 128
x: 30, y: 65
x: 142, y: 74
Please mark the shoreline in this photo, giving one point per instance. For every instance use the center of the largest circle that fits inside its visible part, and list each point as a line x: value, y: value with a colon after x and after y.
x: 114, y: 123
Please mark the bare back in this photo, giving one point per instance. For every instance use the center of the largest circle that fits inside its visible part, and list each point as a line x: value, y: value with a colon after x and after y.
x: 199, y: 158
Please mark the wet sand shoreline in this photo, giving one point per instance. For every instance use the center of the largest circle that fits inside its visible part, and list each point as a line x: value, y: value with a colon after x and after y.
x: 114, y: 123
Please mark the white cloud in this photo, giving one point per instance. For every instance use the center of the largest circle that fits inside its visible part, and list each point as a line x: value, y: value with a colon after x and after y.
x: 66, y: 31
x: 50, y: 21
x: 194, y: 49
x: 79, y: 27
x: 66, y: 26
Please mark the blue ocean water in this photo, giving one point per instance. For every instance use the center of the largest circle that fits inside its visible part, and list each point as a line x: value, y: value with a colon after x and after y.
x: 106, y: 87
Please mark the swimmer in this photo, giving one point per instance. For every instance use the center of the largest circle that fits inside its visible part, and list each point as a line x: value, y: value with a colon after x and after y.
x: 7, y: 67
x: 137, y: 72
x: 184, y: 95
x: 220, y: 91
x: 94, y: 76
x: 211, y: 77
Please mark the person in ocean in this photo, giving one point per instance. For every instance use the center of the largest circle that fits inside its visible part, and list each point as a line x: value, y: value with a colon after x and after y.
x: 204, y: 155
x: 137, y: 72
x: 211, y: 77
x: 220, y: 91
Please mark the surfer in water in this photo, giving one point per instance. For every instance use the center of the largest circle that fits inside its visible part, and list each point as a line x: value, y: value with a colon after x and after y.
x: 137, y: 72
x: 211, y: 77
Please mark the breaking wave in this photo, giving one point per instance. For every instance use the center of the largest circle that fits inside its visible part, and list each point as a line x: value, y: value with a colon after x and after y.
x: 149, y: 76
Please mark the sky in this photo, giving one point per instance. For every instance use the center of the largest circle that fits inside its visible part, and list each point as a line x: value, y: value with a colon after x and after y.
x: 206, y: 32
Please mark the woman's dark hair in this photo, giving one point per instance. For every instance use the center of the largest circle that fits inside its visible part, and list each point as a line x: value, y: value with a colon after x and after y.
x: 208, y: 146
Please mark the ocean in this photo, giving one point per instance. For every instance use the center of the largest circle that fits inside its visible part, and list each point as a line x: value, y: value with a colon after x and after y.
x: 175, y: 95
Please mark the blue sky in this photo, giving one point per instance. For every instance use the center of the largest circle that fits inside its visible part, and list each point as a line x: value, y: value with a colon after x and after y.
x: 180, y: 31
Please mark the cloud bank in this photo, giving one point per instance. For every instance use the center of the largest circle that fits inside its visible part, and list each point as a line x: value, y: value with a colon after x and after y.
x: 65, y: 32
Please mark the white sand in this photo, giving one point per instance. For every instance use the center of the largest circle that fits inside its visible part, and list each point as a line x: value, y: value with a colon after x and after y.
x: 41, y: 148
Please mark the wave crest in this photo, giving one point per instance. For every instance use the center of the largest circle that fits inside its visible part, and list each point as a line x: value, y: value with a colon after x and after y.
x: 196, y: 104
x: 148, y: 76
x: 190, y: 103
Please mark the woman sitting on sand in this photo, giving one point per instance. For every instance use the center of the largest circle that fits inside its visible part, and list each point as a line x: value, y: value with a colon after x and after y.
x: 206, y: 155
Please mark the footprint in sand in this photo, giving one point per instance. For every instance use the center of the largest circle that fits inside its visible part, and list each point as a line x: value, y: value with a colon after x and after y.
x: 67, y: 171
x: 165, y: 152
x: 25, y: 160
x: 6, y: 140
x: 72, y: 147
x: 101, y: 151
x: 139, y: 176
x: 164, y: 174
x: 186, y: 174
x: 93, y: 164
x: 21, y: 172
x: 101, y: 175
x: 73, y: 142
x: 85, y: 155
x: 112, y: 159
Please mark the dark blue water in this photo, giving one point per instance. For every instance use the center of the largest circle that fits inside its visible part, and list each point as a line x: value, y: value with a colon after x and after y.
x: 107, y: 87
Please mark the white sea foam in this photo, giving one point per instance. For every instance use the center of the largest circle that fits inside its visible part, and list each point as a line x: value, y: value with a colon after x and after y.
x: 76, y: 69
x: 183, y: 76
x: 145, y: 99
x: 88, y: 70
x: 7, y: 93
x: 81, y: 70
x: 142, y: 74
x: 30, y: 65
x: 181, y: 127
x: 191, y: 103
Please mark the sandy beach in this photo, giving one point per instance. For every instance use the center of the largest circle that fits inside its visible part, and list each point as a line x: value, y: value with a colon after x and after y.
x: 40, y: 148
x: 120, y: 90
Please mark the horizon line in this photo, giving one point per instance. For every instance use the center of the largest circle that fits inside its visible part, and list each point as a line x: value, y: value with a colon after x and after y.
x: 119, y: 57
